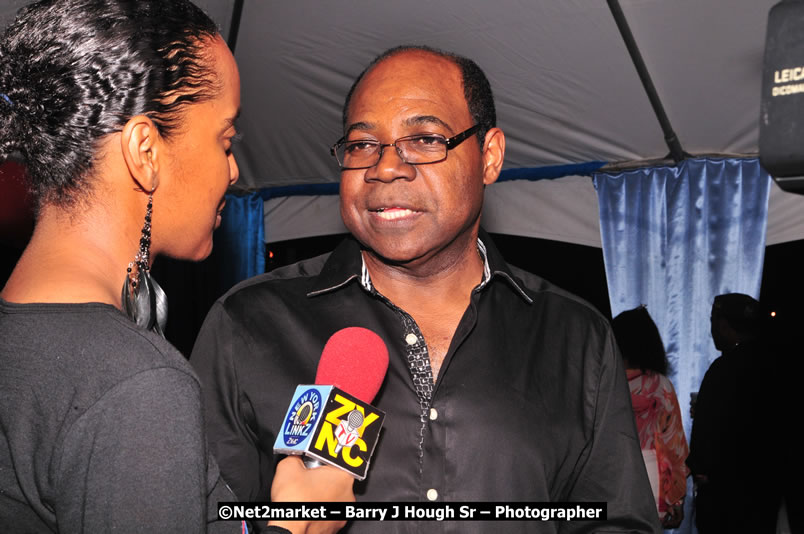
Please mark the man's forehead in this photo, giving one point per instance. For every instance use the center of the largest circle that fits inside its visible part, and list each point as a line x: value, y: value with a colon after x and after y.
x: 415, y: 57
x: 421, y: 86
x: 409, y: 122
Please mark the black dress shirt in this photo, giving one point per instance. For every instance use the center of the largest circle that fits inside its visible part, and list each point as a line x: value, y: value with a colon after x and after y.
x: 737, y: 442
x: 531, y: 402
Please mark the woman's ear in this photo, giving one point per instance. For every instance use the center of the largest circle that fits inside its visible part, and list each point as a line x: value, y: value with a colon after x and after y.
x: 140, y: 144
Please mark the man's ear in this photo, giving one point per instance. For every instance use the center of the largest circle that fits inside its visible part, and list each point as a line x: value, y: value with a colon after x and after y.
x: 493, y: 155
x: 140, y: 143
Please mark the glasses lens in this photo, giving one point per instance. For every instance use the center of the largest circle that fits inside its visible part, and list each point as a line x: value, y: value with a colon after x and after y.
x: 361, y: 154
x: 423, y: 148
x: 357, y: 154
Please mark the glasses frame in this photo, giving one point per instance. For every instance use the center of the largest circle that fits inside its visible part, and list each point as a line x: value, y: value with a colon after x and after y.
x: 450, y: 143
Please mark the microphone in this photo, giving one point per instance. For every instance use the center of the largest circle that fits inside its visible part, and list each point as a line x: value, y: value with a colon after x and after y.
x: 333, y: 422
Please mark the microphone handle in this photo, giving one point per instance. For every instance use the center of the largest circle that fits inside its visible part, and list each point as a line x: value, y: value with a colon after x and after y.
x: 311, y: 463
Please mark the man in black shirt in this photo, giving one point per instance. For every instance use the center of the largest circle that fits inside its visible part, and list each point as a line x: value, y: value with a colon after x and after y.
x: 737, y: 438
x: 500, y: 387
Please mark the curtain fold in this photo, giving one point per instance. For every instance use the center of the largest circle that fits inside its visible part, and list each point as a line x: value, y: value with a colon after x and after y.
x: 240, y: 239
x: 674, y: 238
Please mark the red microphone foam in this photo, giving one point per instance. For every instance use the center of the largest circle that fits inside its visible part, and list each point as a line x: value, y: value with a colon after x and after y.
x: 355, y: 360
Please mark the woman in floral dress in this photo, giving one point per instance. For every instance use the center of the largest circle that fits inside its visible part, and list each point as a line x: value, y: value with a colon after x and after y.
x: 657, y: 413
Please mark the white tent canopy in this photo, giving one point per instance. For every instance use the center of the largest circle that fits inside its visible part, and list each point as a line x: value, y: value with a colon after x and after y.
x: 566, y: 90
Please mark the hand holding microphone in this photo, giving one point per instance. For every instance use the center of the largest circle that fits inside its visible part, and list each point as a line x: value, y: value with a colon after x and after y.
x: 295, y: 483
x: 326, y: 421
x: 332, y: 421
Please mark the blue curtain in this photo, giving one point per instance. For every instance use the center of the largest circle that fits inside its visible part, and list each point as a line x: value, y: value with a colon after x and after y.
x: 240, y: 240
x: 674, y: 238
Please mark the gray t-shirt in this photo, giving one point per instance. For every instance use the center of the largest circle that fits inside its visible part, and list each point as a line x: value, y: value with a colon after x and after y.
x: 101, y: 427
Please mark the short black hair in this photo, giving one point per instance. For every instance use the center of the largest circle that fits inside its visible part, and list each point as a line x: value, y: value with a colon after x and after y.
x: 742, y: 312
x: 73, y: 71
x: 476, y: 86
x: 639, y: 341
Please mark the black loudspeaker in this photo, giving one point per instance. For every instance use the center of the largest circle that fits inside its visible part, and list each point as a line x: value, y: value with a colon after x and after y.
x: 781, y: 122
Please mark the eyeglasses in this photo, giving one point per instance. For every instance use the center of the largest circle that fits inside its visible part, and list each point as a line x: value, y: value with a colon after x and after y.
x: 413, y: 149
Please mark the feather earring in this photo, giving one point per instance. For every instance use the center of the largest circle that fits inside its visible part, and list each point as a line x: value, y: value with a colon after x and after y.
x: 143, y: 300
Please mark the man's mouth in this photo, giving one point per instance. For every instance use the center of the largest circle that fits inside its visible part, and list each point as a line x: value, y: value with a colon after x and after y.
x: 390, y: 214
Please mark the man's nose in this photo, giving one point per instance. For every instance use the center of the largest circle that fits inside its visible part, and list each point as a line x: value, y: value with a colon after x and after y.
x: 390, y: 166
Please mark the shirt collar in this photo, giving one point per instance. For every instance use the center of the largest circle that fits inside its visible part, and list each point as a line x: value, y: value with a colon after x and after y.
x: 499, y: 268
x: 342, y: 267
x: 346, y: 264
x: 365, y: 277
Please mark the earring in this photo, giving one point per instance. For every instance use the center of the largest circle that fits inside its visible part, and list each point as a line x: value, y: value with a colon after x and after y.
x: 144, y: 301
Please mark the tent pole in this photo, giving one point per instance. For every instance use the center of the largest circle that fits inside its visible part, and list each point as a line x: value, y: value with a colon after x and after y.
x: 676, y: 152
x: 234, y: 27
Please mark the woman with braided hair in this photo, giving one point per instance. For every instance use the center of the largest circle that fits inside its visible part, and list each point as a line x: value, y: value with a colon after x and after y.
x: 123, y: 112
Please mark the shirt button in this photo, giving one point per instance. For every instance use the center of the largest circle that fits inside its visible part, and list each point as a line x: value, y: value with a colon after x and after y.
x: 411, y: 339
x: 433, y: 414
x: 432, y: 494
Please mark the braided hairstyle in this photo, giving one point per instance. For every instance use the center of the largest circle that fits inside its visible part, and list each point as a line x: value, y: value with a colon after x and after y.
x: 73, y: 71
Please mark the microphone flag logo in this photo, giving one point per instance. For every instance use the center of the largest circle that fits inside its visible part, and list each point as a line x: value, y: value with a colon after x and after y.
x: 347, y: 430
x: 328, y: 424
x: 302, y: 416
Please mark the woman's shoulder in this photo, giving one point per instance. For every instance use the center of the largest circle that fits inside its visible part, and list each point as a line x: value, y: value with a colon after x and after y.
x: 88, y: 342
x: 665, y: 383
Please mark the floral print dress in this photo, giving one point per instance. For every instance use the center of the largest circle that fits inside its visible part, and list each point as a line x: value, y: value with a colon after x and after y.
x: 658, y: 419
